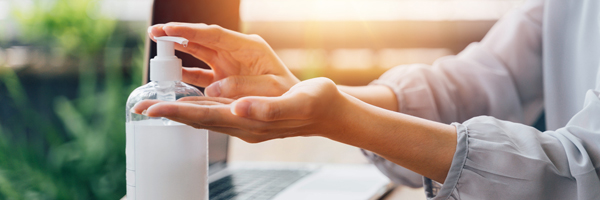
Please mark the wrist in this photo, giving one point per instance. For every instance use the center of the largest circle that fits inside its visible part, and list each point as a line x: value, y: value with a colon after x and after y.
x: 347, y: 119
x: 377, y: 95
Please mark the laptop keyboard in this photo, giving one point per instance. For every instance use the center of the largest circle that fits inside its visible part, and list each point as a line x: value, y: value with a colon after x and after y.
x: 253, y: 184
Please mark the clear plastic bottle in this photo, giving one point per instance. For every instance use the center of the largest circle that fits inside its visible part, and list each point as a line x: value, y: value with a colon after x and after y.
x: 165, y: 159
x: 158, y: 90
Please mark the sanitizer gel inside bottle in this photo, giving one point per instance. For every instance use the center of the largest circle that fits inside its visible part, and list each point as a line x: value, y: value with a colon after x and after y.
x: 165, y: 159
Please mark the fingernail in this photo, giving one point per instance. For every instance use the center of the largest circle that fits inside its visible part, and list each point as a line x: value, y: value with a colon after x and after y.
x: 172, y: 29
x: 241, y: 109
x: 165, y: 27
x: 155, y: 112
x: 214, y: 90
x: 150, y: 29
x: 132, y: 110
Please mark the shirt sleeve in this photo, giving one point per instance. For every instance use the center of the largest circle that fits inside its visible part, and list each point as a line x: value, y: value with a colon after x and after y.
x: 500, y: 76
x: 498, y: 159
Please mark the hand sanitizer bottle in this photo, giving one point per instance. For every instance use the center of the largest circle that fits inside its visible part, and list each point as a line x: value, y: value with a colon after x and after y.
x: 165, y: 159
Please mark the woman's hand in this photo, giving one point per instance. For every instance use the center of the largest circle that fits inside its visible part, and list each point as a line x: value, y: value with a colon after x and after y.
x: 242, y: 65
x: 312, y: 107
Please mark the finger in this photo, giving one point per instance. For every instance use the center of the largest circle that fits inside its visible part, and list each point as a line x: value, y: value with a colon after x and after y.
x: 214, y: 115
x: 284, y: 127
x: 241, y: 86
x: 201, y: 52
x: 198, y: 77
x: 205, y: 103
x: 213, y: 99
x: 141, y: 106
x: 219, y: 116
x: 249, y: 135
x: 301, y: 101
x: 211, y: 36
x: 150, y: 35
x: 157, y: 29
x: 272, y: 108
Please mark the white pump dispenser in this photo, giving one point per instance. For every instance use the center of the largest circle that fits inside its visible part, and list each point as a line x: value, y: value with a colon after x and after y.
x: 165, y: 159
x: 166, y: 66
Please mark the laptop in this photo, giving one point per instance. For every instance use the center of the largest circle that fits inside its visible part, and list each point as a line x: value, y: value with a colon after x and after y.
x: 289, y: 181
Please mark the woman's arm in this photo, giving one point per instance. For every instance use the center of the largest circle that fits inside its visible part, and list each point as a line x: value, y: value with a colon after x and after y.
x: 500, y: 76
x: 423, y: 146
x: 317, y: 107
x: 484, y: 158
x: 377, y: 95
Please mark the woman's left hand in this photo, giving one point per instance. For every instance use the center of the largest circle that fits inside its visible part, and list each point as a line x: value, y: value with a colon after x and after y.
x: 241, y: 64
x: 312, y: 107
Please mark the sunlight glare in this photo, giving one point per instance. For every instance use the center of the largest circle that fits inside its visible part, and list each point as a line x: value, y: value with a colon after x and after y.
x: 374, y: 10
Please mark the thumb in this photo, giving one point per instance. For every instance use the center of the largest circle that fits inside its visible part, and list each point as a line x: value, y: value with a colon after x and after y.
x: 197, y: 76
x: 270, y: 108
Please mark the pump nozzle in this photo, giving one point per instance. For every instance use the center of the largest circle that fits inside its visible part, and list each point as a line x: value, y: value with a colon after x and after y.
x: 165, y: 45
x: 166, y: 66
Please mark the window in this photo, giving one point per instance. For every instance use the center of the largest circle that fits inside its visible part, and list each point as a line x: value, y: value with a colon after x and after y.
x: 354, y: 41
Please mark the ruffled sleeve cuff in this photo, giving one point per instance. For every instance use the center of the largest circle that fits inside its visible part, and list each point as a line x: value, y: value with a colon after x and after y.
x: 437, y: 191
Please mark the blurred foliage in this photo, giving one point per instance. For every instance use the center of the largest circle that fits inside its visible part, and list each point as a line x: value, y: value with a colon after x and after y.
x: 83, y: 157
x: 66, y: 24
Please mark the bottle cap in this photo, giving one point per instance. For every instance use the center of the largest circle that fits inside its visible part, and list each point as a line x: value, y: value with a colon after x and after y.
x: 165, y: 66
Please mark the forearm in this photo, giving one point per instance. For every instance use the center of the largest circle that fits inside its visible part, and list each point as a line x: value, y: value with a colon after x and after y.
x: 423, y: 146
x: 377, y: 95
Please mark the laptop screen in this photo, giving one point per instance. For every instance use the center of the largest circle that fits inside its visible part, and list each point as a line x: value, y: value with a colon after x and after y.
x: 217, y: 151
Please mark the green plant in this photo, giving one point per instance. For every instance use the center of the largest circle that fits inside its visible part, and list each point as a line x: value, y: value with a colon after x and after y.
x: 83, y: 156
x: 86, y: 164
x: 65, y: 28
x: 67, y: 24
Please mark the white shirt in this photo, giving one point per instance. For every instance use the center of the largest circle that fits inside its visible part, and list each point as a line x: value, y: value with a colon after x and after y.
x: 544, y: 55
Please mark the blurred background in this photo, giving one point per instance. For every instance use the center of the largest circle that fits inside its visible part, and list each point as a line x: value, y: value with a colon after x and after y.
x: 68, y: 66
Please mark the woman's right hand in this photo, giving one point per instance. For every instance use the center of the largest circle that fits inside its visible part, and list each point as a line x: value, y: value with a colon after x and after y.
x: 312, y: 107
x: 242, y: 65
